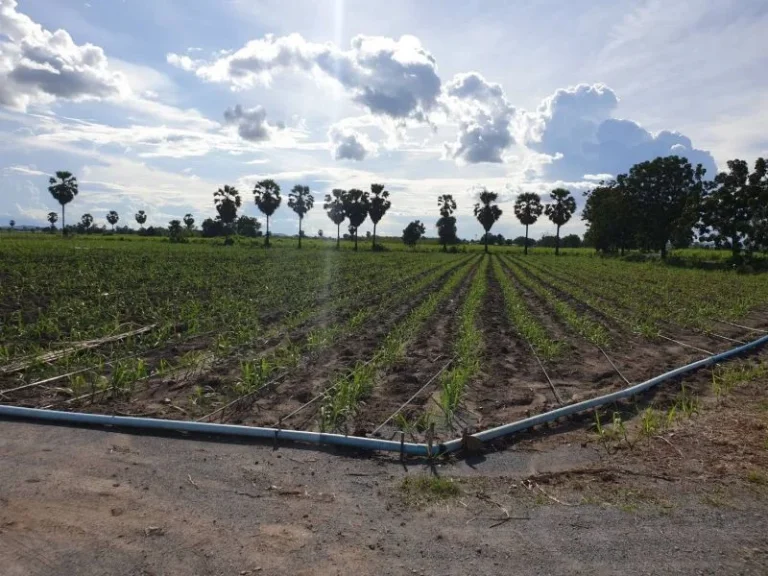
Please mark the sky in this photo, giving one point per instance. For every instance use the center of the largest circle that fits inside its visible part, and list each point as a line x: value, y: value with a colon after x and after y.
x: 155, y: 104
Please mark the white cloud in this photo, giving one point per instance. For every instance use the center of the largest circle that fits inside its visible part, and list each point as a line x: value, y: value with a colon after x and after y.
x: 348, y: 144
x: 396, y: 78
x: 251, y: 123
x: 484, y: 118
x: 38, y: 66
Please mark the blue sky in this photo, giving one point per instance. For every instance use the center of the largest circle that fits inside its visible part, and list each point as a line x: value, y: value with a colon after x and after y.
x: 155, y: 104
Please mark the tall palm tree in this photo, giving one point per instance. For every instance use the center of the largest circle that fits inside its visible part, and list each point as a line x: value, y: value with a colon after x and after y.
x: 53, y: 218
x: 487, y: 213
x: 63, y: 188
x: 300, y: 200
x: 141, y: 218
x: 528, y: 208
x: 266, y: 194
x: 227, y: 201
x: 356, y: 206
x: 379, y: 205
x: 86, y: 221
x: 112, y: 218
x: 189, y: 222
x: 560, y: 211
x: 334, y: 207
x: 446, y: 224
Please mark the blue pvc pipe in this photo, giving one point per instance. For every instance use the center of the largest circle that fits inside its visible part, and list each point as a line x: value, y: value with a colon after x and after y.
x: 357, y: 441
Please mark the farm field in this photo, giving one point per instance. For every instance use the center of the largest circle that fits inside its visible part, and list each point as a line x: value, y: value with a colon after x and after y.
x: 365, y: 343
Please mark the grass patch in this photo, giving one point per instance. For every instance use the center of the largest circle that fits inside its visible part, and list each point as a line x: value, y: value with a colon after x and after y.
x: 757, y: 477
x: 427, y: 489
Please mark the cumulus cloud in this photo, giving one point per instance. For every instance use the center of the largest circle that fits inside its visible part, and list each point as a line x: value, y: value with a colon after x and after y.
x: 348, y: 144
x: 575, y: 127
x: 484, y: 117
x: 251, y: 123
x: 395, y: 78
x: 39, y: 66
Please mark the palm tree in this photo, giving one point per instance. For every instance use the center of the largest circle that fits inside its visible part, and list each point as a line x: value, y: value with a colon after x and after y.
x: 86, y: 221
x: 189, y: 222
x: 528, y: 208
x: 227, y: 201
x: 446, y: 224
x: 334, y: 206
x: 560, y: 211
x: 487, y: 213
x: 141, y: 217
x: 379, y: 206
x: 300, y: 200
x: 112, y: 218
x: 12, y: 224
x: 356, y: 206
x: 266, y: 193
x: 63, y: 188
x: 53, y: 218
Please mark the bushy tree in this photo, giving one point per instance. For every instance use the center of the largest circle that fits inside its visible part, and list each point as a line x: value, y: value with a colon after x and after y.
x: 608, y: 212
x: 189, y: 222
x: 301, y: 201
x: 571, y: 241
x: 379, y: 205
x: 248, y: 226
x: 141, y: 218
x: 560, y: 211
x: 356, y: 205
x: 523, y: 241
x: 176, y: 232
x: 266, y: 194
x: 334, y: 207
x: 52, y: 219
x: 664, y: 196
x: 113, y: 218
x: 413, y: 233
x: 12, y: 224
x: 487, y: 213
x: 446, y: 224
x: 213, y: 228
x: 63, y: 188
x: 731, y: 207
x: 528, y: 208
x: 227, y: 201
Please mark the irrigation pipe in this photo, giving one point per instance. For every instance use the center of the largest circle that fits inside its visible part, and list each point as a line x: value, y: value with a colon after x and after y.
x: 75, y: 418
x: 744, y: 327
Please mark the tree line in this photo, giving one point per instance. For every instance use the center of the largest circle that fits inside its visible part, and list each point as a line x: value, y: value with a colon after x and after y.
x: 354, y: 205
x: 668, y: 202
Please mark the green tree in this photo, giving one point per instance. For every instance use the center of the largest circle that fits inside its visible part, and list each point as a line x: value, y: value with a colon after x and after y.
x: 610, y: 217
x: 53, y: 218
x: 759, y: 182
x: 446, y: 224
x: 301, y: 201
x: 334, y: 207
x: 63, y: 188
x: 227, y: 200
x: 189, y: 222
x: 729, y: 210
x: 379, y: 205
x: 12, y: 224
x: 528, y: 208
x: 487, y: 213
x: 571, y: 241
x: 266, y: 193
x: 141, y: 218
x: 413, y: 233
x: 356, y: 206
x: 86, y: 221
x: 248, y: 226
x: 113, y: 218
x: 176, y: 232
x: 560, y: 211
x: 665, y: 195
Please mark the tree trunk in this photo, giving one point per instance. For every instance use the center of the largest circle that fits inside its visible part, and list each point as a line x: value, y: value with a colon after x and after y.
x: 526, y: 240
x: 664, y: 250
x: 735, y: 249
x: 300, y: 219
x: 266, y: 241
x: 63, y: 221
x: 557, y: 242
x: 338, y: 235
x: 355, y: 239
x: 373, y: 246
x: 486, y: 241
